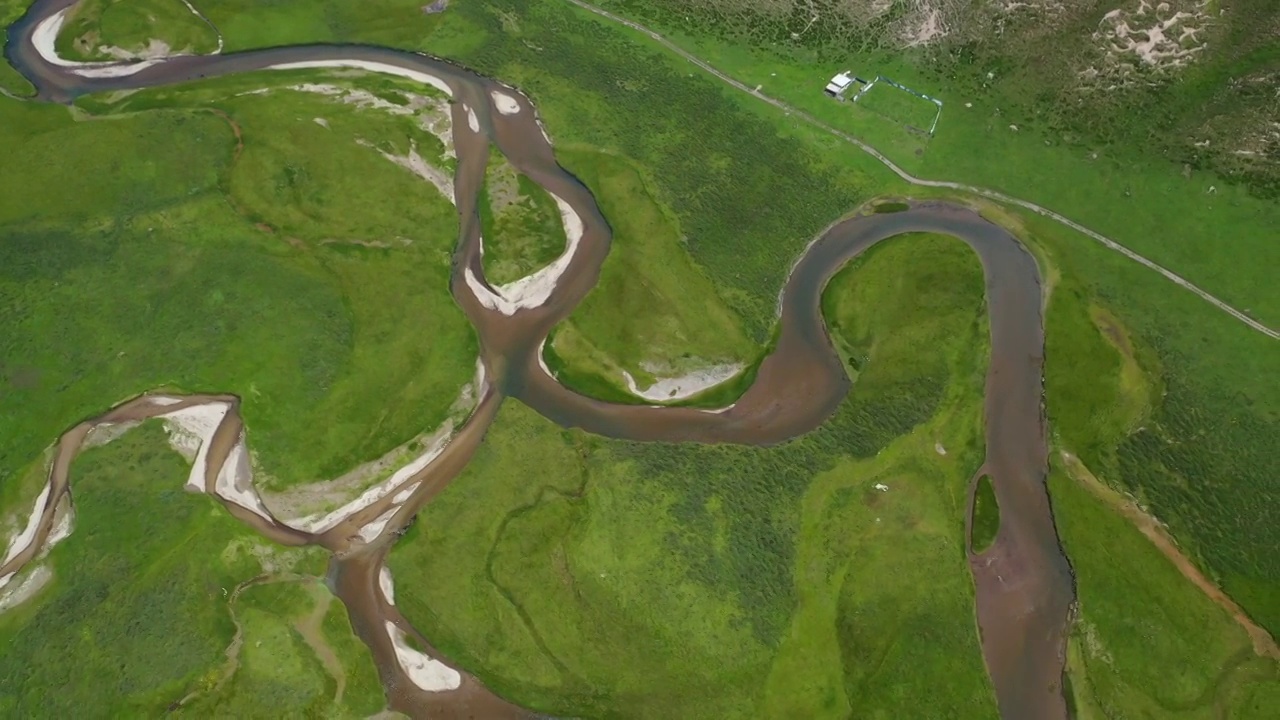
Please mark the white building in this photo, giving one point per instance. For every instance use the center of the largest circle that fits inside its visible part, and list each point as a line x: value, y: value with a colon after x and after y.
x: 839, y: 84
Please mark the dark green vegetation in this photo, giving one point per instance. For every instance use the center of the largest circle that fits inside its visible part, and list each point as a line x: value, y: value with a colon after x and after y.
x: 986, y: 516
x: 96, y: 28
x: 521, y: 223
x: 607, y: 578
x: 305, y: 273
x: 128, y: 627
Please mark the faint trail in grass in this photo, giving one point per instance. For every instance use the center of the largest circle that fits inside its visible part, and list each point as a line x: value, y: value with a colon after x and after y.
x: 310, y: 627
x: 510, y: 597
x: 1263, y: 644
x: 908, y: 177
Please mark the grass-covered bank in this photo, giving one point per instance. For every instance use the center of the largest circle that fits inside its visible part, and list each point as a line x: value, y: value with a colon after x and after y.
x: 654, y: 312
x: 304, y: 272
x: 128, y: 627
x: 607, y: 578
x: 520, y: 223
x: 109, y: 29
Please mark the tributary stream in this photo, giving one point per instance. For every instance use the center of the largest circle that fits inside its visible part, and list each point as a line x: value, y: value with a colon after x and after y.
x: 1024, y: 587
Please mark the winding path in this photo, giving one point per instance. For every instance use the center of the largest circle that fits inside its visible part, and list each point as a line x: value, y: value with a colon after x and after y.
x: 1023, y: 582
x: 912, y: 179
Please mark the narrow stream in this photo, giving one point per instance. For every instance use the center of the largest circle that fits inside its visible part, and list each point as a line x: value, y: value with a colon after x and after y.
x: 1023, y: 582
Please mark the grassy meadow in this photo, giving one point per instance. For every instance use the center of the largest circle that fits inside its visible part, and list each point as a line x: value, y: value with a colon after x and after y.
x: 127, y: 614
x: 604, y: 578
x: 609, y: 578
x: 175, y: 260
x: 1204, y: 462
x: 1117, y: 168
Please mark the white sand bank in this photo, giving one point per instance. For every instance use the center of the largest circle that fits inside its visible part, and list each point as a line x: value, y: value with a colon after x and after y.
x: 386, y: 585
x: 414, y: 163
x: 472, y: 121
x: 416, y: 75
x: 685, y: 386
x: 425, y: 672
x: 235, y: 481
x: 405, y: 494
x: 190, y: 430
x: 532, y: 290
x: 163, y: 400
x: 45, y: 38
x: 392, y: 484
x: 29, y: 586
x: 63, y: 529
x: 22, y: 540
x: 542, y: 361
x: 506, y: 104
x: 370, y: 532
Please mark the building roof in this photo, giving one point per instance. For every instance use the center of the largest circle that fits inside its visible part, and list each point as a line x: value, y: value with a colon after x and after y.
x: 839, y: 83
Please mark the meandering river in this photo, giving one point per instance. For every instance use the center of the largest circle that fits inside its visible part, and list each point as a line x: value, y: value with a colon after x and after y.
x: 1024, y: 586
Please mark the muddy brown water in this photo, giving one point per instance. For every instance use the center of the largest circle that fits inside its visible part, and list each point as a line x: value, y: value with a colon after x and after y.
x: 1023, y: 583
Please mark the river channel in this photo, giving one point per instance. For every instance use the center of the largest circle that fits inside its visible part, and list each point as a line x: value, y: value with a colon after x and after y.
x: 1024, y: 587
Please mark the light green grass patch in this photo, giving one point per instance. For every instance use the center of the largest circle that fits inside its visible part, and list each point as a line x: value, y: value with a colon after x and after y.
x: 913, y: 113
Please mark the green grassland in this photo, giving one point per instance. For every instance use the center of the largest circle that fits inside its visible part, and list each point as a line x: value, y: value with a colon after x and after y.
x: 638, y: 580
x: 653, y: 306
x: 1215, y: 408
x: 127, y: 626
x: 1157, y: 392
x: 166, y: 263
x: 1121, y: 185
x: 520, y: 221
x: 1029, y: 59
x: 132, y: 25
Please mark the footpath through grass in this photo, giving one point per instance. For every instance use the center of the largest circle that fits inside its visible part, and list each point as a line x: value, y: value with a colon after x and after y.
x: 641, y: 580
